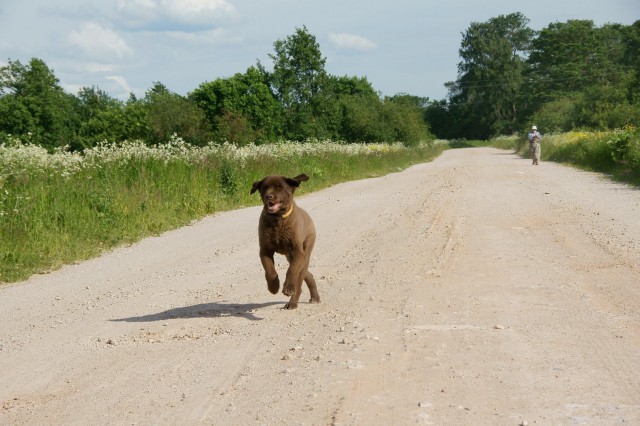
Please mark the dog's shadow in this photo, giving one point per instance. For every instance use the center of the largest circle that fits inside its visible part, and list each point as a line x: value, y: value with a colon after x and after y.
x: 204, y: 310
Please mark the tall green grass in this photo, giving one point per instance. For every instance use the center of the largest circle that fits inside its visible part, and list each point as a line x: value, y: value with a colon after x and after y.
x: 61, y: 207
x: 616, y: 152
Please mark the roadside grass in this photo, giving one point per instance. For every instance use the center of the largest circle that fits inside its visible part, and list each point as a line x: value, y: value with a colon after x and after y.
x: 615, y: 153
x: 59, y: 208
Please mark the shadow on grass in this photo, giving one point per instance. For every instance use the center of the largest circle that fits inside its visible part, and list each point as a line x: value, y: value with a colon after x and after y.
x: 205, y: 310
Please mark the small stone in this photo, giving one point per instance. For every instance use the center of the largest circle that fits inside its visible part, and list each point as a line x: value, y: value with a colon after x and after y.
x: 498, y: 327
x: 353, y: 364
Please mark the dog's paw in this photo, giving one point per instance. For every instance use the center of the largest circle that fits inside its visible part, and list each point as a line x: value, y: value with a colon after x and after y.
x: 274, y: 285
x: 288, y: 290
x: 290, y: 305
x: 314, y: 300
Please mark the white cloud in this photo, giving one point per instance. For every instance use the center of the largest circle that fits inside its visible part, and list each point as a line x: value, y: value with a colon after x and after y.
x: 120, y: 81
x: 98, y: 40
x: 197, y: 11
x: 351, y: 42
x: 139, y: 11
x: 217, y: 36
x: 201, y: 13
x: 95, y: 67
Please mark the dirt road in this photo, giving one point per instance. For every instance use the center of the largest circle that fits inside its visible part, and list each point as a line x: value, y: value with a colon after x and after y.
x: 476, y: 289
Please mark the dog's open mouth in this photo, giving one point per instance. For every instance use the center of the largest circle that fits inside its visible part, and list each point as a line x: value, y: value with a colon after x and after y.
x: 273, y: 207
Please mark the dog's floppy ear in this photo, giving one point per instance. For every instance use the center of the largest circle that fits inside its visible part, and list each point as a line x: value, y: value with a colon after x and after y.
x: 256, y: 186
x: 295, y: 182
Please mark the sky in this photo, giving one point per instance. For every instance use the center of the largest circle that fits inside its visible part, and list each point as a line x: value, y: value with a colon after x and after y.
x: 125, y: 46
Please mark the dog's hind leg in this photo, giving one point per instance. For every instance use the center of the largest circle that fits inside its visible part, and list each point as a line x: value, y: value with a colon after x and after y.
x: 313, y: 288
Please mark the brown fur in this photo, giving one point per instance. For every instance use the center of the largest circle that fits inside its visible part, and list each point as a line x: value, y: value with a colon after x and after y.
x: 291, y: 234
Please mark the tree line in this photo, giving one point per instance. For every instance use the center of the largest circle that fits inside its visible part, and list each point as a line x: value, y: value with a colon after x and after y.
x: 568, y: 75
x: 297, y: 100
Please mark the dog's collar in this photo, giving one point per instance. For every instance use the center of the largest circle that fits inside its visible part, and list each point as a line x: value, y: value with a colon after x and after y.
x: 288, y: 213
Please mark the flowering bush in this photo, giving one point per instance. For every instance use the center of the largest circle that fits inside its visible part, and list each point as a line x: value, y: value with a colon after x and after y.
x: 17, y: 158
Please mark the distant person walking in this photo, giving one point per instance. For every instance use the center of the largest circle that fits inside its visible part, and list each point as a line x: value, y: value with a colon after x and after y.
x: 534, y: 145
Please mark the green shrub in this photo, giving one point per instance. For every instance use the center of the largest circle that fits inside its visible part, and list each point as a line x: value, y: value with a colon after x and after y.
x: 557, y: 116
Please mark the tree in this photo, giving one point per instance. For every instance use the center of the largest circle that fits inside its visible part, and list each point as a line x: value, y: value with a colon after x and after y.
x: 351, y: 104
x: 572, y: 56
x: 490, y: 74
x: 136, y: 126
x: 556, y: 115
x: 404, y: 114
x: 16, y: 119
x: 102, y: 117
x: 631, y: 59
x: 592, y: 68
x: 298, y: 81
x: 168, y: 113
x: 351, y: 86
x: 35, y: 106
x: 412, y: 101
x: 242, y: 108
x: 362, y: 120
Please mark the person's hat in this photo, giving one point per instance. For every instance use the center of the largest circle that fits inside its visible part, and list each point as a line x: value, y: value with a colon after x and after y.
x: 534, y: 128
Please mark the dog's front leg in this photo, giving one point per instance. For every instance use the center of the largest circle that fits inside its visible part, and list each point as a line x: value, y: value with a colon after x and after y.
x: 293, y: 283
x: 270, y: 273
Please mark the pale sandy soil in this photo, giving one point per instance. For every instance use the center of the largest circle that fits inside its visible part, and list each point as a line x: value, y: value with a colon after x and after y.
x: 473, y: 290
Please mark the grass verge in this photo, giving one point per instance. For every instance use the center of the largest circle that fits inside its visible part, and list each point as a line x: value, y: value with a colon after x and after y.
x: 58, y: 208
x: 615, y: 153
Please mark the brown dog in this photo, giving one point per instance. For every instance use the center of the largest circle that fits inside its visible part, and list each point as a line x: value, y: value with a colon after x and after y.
x: 286, y: 229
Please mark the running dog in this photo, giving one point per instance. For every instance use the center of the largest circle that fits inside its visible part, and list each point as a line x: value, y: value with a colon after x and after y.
x: 286, y: 229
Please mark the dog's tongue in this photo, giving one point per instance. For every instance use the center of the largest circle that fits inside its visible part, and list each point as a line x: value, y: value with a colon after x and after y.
x: 274, y: 207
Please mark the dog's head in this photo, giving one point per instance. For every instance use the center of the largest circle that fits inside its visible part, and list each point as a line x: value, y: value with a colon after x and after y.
x: 277, y: 192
